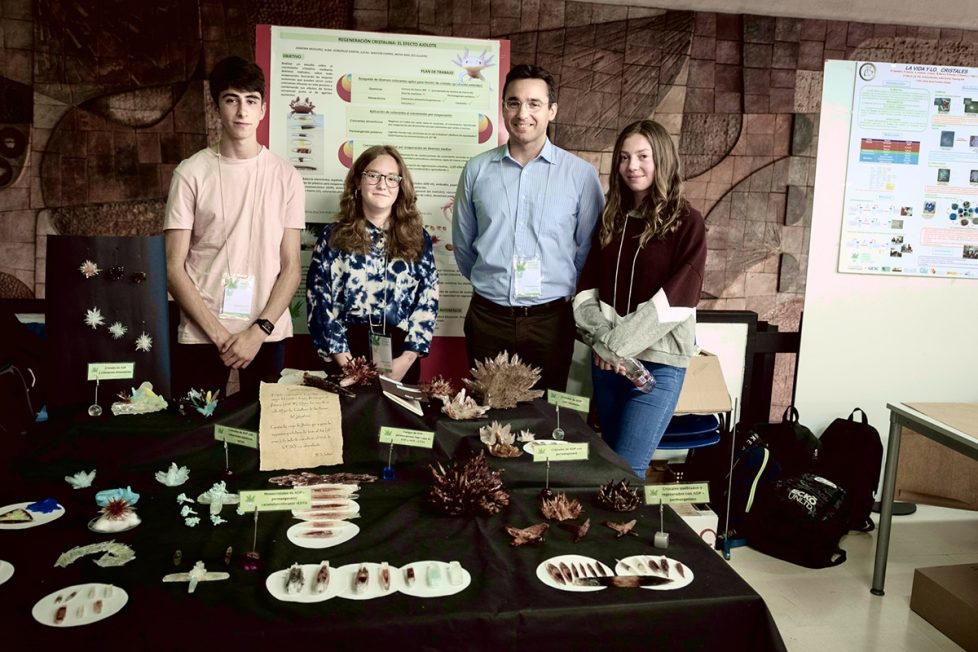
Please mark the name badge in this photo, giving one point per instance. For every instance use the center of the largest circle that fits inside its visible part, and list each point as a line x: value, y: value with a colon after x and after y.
x: 381, y: 352
x: 528, y: 273
x: 239, y: 294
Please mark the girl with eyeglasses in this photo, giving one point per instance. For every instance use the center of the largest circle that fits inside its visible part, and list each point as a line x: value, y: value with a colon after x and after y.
x: 638, y: 291
x: 372, y: 287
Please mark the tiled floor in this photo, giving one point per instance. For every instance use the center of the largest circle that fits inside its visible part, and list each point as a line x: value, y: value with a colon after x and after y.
x: 832, y: 610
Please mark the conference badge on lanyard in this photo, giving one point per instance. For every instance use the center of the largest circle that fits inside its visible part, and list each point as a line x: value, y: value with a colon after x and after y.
x: 381, y: 352
x: 528, y: 273
x: 239, y: 294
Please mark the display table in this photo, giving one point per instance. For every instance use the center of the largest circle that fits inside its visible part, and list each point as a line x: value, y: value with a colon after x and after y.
x: 960, y: 435
x: 505, y: 608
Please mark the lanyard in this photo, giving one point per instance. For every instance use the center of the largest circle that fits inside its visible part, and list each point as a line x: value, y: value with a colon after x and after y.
x: 259, y: 178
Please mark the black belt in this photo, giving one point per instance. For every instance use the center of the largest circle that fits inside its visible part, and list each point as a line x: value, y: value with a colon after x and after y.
x: 519, y: 311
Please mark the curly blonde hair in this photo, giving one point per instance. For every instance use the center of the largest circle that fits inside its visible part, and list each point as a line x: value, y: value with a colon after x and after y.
x: 663, y: 207
x: 405, y: 236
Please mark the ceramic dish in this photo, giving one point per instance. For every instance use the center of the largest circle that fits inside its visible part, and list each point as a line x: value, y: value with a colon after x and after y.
x: 421, y: 588
x: 275, y: 583
x: 528, y: 446
x: 342, y: 531
x: 80, y: 603
x: 569, y: 560
x: 40, y: 518
x: 643, y: 565
x: 6, y: 571
x: 346, y: 577
x: 341, y: 508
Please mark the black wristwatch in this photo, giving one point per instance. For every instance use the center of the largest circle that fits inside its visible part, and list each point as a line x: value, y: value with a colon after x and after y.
x: 265, y: 325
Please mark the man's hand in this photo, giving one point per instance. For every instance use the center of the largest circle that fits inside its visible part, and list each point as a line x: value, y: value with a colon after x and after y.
x: 342, y: 358
x: 401, y: 364
x: 241, y: 348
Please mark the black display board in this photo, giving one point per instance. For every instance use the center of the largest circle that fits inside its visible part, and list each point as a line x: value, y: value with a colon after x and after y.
x: 130, y: 288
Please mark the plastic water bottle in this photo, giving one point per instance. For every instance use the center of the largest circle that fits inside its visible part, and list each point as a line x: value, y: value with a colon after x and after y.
x: 635, y: 371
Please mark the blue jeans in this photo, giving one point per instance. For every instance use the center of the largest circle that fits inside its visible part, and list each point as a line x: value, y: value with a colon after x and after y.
x: 632, y: 422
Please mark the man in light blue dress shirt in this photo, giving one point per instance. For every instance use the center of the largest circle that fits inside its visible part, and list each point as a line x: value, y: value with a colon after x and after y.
x: 524, y: 216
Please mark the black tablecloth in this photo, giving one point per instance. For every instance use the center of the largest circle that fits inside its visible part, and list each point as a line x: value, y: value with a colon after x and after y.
x: 505, y: 608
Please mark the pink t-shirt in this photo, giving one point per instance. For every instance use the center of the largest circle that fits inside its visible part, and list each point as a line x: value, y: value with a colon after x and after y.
x: 238, y: 210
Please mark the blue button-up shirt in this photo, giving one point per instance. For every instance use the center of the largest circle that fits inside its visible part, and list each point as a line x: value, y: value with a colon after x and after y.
x: 546, y: 209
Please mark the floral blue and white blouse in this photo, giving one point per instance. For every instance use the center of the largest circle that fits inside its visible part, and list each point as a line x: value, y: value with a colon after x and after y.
x: 349, y: 288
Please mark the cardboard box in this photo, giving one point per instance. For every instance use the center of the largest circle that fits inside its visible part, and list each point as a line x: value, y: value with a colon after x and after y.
x: 947, y: 598
x: 931, y: 474
x: 702, y: 519
x: 704, y: 390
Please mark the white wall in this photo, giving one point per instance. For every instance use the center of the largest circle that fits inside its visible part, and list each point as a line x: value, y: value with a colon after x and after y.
x: 870, y: 340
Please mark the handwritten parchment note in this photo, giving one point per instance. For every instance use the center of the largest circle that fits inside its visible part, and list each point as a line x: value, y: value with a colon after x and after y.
x: 300, y: 428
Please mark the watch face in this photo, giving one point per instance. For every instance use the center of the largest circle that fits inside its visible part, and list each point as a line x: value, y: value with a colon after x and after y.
x: 867, y: 71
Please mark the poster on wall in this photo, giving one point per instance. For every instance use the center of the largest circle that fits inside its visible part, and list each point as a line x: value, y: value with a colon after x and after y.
x: 333, y: 94
x: 911, y: 200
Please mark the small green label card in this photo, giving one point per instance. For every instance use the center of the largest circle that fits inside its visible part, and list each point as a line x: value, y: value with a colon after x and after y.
x: 570, y: 401
x: 272, y: 500
x: 561, y: 453
x: 110, y: 370
x: 689, y: 492
x: 405, y: 437
x: 238, y: 436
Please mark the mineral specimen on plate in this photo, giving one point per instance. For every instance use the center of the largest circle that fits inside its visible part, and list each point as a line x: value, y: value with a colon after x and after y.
x: 502, y: 382
x: 472, y: 489
x: 143, y: 400
x: 618, y: 496
x: 560, y: 508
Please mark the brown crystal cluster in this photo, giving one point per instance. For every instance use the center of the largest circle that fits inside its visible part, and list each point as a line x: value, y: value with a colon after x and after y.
x: 502, y: 382
x: 618, y: 496
x: 438, y: 387
x: 472, y: 489
x: 527, y: 535
x: 358, y: 371
x: 560, y: 508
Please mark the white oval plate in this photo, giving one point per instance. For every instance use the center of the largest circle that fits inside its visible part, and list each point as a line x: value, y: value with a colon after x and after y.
x: 91, y: 526
x: 275, y: 583
x: 678, y: 581
x: 346, y: 575
x: 421, y: 588
x: 345, y: 508
x: 45, y: 609
x: 528, y: 446
x: 342, y: 531
x: 346, y: 490
x: 544, y: 576
x: 40, y: 518
x: 6, y: 571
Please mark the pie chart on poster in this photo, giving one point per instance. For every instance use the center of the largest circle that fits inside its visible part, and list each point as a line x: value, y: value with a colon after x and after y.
x: 344, y: 87
x: 485, y: 128
x: 345, y: 154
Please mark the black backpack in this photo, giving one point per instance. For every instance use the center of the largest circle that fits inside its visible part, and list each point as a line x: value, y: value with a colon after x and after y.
x: 800, y: 519
x: 793, y: 445
x: 852, y: 457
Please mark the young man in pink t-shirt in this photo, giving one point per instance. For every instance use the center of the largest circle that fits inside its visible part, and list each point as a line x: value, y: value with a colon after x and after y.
x: 233, y: 219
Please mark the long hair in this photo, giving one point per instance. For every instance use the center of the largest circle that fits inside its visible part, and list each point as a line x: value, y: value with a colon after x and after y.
x: 405, y: 239
x: 665, y: 202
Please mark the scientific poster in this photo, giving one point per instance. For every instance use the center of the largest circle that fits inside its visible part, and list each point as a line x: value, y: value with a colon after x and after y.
x: 335, y: 93
x: 911, y: 198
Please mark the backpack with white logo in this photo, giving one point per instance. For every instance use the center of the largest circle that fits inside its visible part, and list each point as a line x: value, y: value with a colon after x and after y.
x: 801, y: 519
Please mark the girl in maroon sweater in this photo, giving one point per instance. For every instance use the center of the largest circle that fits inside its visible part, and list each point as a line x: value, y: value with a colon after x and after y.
x: 638, y: 291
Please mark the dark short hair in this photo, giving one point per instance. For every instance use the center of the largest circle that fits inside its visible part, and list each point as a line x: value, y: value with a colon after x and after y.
x: 529, y: 71
x: 235, y: 72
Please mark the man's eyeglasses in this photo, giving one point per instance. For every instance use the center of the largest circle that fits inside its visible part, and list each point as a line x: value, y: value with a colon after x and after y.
x: 532, y: 105
x: 373, y: 178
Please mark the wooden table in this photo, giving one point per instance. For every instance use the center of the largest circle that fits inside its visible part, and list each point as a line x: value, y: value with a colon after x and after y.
x: 959, y: 433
